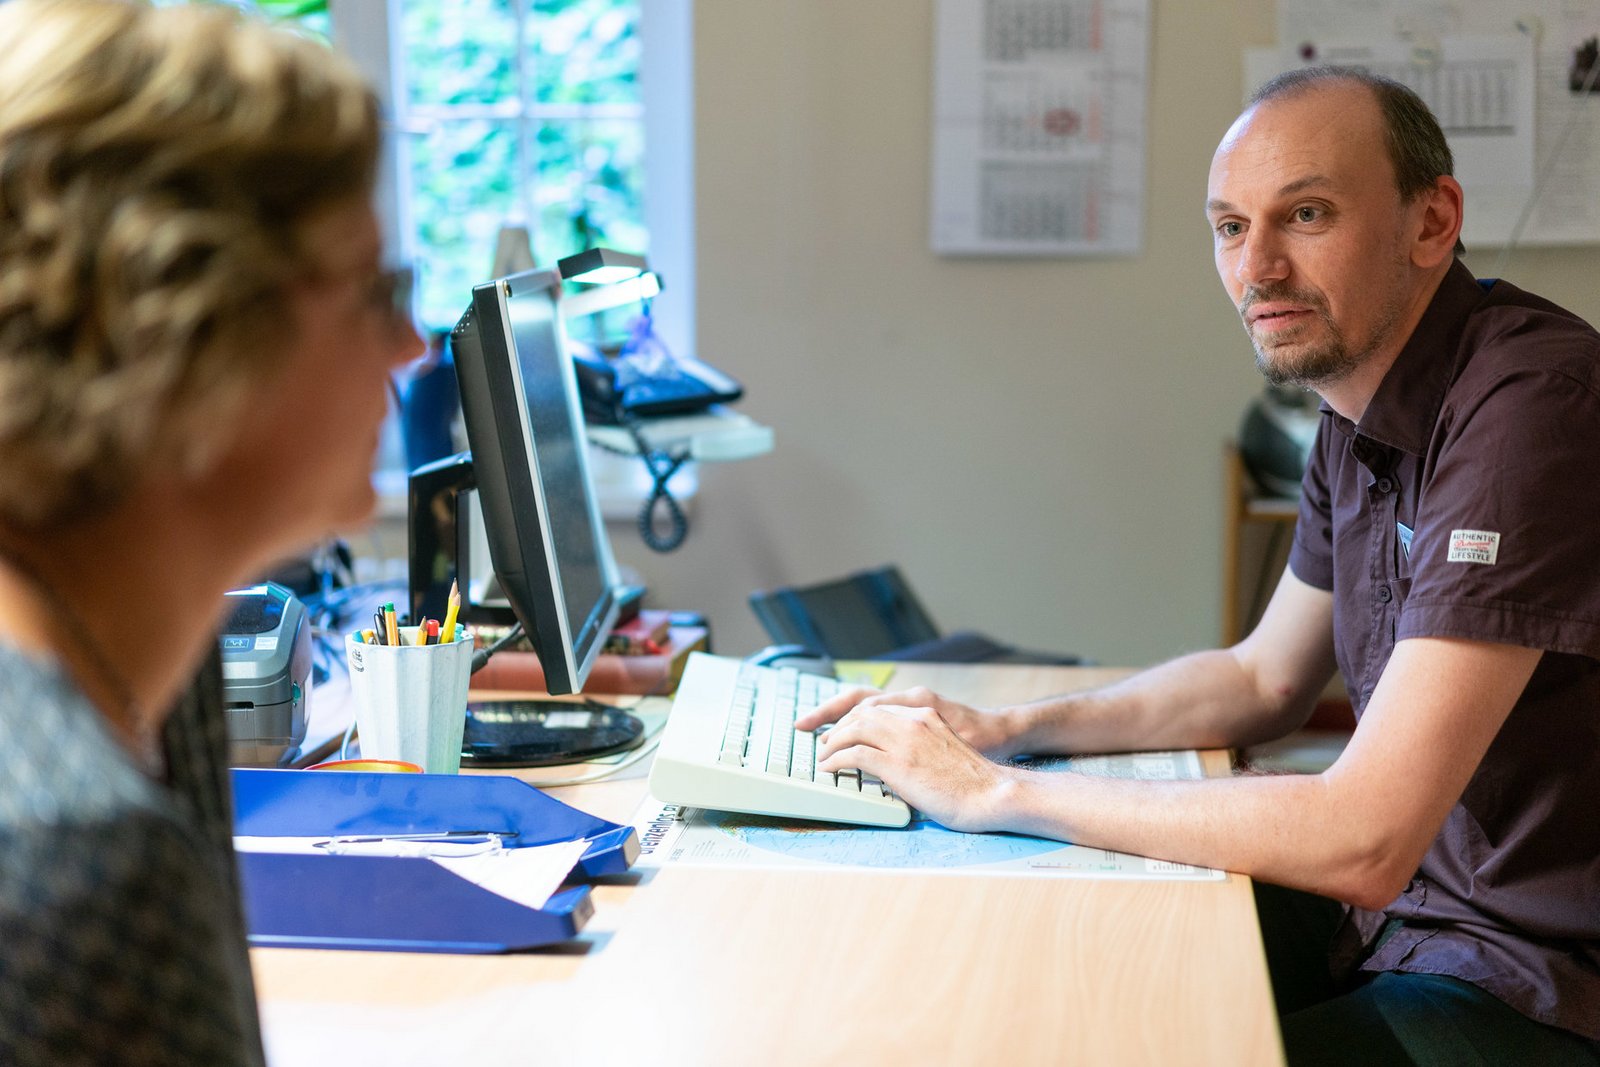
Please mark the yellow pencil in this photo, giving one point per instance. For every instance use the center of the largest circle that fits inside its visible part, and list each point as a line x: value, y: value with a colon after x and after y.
x: 391, y: 625
x: 447, y: 632
x: 422, y: 632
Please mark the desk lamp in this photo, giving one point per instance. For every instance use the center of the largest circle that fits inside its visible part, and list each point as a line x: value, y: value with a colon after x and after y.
x: 599, y: 266
x: 609, y: 280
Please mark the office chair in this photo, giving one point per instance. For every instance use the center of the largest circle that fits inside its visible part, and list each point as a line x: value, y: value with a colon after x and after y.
x: 874, y: 614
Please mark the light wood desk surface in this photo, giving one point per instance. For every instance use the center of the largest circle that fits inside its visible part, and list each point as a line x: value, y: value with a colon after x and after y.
x: 709, y: 966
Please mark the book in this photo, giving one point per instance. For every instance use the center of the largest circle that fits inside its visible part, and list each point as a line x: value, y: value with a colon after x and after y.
x: 648, y: 674
x: 644, y: 634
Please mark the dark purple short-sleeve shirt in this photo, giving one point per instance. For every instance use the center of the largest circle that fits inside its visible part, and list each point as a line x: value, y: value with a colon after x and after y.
x: 1466, y: 503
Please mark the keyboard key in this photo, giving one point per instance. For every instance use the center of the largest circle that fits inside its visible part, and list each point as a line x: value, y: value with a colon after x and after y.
x: 803, y: 764
x: 730, y: 743
x: 782, y: 741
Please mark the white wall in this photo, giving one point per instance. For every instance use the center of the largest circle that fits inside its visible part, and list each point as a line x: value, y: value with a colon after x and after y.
x: 1037, y: 443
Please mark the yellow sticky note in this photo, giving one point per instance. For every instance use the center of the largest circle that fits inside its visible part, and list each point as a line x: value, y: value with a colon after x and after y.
x: 863, y: 672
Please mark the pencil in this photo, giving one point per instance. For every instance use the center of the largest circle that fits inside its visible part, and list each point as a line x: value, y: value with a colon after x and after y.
x: 447, y: 632
x: 422, y: 632
x: 391, y: 624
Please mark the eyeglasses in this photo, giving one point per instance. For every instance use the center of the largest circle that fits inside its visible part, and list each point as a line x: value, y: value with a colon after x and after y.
x: 389, y: 294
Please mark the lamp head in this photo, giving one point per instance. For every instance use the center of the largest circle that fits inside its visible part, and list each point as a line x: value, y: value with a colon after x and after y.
x: 600, y: 266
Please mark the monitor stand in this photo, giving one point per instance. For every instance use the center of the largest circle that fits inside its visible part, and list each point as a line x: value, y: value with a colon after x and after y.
x: 543, y: 733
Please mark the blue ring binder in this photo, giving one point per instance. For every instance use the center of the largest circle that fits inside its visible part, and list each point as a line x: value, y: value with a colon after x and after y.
x: 407, y: 904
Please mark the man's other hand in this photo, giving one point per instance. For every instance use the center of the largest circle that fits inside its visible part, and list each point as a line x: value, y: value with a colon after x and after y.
x: 984, y: 729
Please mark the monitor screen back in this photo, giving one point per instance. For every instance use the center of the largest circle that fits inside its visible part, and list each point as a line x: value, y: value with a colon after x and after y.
x: 526, y: 428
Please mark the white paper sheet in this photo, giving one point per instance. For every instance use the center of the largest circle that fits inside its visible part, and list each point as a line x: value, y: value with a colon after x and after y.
x: 529, y: 876
x: 1039, y: 126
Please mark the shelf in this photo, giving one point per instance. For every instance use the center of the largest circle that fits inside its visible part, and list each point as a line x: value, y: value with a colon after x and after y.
x: 1244, y: 506
x: 717, y: 435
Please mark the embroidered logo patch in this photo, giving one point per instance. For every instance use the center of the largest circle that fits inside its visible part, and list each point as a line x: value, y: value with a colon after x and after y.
x: 1473, y: 546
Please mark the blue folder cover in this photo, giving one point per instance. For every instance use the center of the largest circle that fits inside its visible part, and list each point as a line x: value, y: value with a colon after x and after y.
x: 407, y: 904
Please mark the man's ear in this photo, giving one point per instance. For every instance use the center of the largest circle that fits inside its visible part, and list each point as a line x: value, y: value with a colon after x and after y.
x: 1441, y: 209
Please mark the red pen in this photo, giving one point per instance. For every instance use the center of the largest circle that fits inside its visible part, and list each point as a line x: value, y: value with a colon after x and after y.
x: 433, y: 631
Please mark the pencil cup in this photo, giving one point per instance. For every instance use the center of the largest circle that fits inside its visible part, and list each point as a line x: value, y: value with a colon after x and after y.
x: 411, y: 701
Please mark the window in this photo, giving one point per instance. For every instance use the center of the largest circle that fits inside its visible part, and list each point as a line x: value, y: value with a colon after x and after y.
x: 524, y: 112
x: 539, y: 113
x: 517, y: 111
x: 533, y: 113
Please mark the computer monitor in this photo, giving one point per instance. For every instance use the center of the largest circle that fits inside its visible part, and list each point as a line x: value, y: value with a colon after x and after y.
x: 524, y: 423
x: 528, y: 474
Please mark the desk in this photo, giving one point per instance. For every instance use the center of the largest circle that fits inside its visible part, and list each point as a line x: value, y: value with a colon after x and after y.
x: 703, y: 966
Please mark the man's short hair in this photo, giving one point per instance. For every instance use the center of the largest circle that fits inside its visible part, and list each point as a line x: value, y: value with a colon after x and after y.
x: 1417, y: 148
x: 1416, y: 144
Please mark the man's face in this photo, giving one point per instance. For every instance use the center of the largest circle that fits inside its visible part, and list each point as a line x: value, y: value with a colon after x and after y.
x: 1310, y: 234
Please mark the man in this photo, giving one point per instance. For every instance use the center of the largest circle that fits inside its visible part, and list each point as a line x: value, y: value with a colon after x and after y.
x: 1444, y: 560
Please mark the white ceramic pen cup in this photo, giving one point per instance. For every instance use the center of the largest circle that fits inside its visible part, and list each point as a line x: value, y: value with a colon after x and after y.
x: 411, y: 701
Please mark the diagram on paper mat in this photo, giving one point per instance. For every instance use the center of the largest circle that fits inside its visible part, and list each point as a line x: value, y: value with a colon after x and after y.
x: 712, y: 838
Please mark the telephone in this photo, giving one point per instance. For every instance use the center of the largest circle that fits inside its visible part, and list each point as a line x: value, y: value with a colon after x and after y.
x: 615, y: 391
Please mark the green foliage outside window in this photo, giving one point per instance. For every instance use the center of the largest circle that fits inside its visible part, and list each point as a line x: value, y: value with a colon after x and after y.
x: 524, y: 111
x: 513, y: 111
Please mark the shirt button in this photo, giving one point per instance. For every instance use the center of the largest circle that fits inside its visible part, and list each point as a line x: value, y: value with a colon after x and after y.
x: 1384, y: 594
x: 1385, y: 485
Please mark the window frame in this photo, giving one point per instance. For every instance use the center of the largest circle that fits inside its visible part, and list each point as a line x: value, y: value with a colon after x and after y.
x: 368, y: 31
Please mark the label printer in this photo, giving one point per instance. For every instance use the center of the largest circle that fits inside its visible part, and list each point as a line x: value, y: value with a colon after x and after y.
x: 266, y: 675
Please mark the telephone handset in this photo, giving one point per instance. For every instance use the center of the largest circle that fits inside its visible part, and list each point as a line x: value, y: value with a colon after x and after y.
x: 616, y: 391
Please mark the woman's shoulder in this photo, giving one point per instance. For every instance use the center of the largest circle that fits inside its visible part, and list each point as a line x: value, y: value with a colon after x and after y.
x: 118, y: 916
x: 58, y: 760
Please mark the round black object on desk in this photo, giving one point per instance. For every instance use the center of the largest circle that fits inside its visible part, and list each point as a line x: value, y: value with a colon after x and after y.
x: 543, y: 733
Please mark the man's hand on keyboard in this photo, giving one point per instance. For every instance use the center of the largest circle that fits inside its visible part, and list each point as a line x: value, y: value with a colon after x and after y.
x: 922, y: 759
x: 983, y: 729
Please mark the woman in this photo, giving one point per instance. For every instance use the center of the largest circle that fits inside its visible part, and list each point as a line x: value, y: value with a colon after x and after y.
x: 194, y: 336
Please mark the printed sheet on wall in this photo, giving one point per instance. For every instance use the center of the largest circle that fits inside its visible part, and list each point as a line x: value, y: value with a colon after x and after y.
x: 1039, y: 127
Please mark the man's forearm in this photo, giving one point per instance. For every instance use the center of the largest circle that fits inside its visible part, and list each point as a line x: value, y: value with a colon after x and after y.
x: 1355, y: 832
x: 1290, y: 830
x: 1203, y: 700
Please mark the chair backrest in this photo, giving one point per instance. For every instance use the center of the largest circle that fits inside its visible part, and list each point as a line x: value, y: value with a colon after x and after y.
x: 856, y: 617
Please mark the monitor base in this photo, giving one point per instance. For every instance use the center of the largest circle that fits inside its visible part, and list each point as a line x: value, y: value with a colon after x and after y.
x: 544, y: 733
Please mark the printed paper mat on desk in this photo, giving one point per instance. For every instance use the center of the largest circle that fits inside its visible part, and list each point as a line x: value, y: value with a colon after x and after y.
x: 697, y: 836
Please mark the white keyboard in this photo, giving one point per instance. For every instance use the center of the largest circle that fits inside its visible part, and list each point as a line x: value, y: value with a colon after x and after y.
x: 730, y: 744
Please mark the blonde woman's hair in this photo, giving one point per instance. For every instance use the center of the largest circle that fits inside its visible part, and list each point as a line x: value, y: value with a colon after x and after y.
x: 157, y: 171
